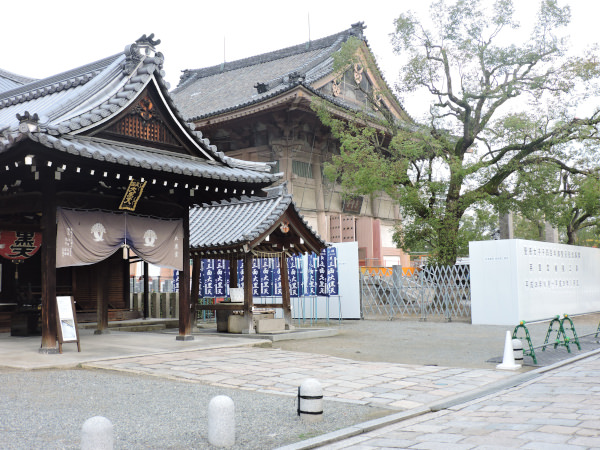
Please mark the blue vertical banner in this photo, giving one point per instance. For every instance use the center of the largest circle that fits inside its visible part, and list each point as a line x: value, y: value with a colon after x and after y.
x: 175, y: 280
x: 277, y: 277
x: 266, y: 277
x: 240, y: 272
x: 311, y: 276
x: 201, y: 280
x: 322, y: 274
x: 333, y: 287
x: 295, y: 276
x: 208, y: 272
x: 221, y: 277
x: 255, y: 277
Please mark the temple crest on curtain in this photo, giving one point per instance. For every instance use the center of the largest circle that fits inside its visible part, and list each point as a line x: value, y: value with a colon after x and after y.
x: 88, y: 237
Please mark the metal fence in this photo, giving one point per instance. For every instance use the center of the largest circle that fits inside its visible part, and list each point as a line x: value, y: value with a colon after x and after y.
x: 432, y: 292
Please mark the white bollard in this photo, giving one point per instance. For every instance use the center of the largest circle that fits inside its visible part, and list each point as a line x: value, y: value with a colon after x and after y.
x: 310, y: 400
x: 97, y: 434
x: 221, y: 421
x: 508, y: 360
x: 517, y: 346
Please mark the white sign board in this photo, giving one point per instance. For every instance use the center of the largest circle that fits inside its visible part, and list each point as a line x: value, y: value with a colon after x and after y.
x: 514, y: 280
x: 67, y: 325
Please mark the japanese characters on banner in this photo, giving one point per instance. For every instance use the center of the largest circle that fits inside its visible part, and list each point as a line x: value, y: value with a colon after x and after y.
x: 19, y: 245
x: 321, y: 277
x: 333, y: 287
x: 214, y: 278
x: 295, y: 277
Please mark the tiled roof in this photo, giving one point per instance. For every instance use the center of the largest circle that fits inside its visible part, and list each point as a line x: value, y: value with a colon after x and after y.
x: 150, y: 158
x: 236, y: 222
x: 55, y: 111
x: 9, y: 80
x: 212, y: 90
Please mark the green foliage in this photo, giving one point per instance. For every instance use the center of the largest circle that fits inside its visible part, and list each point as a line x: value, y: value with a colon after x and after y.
x: 502, y: 123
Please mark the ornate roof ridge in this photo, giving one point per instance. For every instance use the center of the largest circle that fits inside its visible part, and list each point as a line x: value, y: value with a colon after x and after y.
x: 322, y: 43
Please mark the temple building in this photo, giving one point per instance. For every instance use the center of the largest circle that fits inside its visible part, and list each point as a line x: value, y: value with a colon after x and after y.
x: 98, y: 167
x: 259, y: 109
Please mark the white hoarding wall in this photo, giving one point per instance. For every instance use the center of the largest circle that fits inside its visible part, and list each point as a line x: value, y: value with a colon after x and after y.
x: 514, y: 280
x: 345, y: 305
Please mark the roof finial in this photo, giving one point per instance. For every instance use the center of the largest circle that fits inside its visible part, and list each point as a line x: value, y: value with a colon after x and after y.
x: 357, y: 29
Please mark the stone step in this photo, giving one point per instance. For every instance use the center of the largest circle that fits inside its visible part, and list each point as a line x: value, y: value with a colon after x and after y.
x: 149, y: 327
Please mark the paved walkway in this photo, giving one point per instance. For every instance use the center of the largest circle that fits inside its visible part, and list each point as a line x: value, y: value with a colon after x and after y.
x: 396, y: 386
x: 560, y: 409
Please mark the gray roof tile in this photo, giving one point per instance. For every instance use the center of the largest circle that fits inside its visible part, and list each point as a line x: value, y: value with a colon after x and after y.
x: 201, y: 92
x: 66, y: 104
x: 239, y: 221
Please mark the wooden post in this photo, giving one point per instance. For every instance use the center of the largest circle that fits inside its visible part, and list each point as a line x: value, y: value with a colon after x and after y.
x: 49, y: 332
x: 146, y: 291
x: 185, y: 327
x: 101, y: 299
x: 195, y: 286
x: 233, y: 275
x: 248, y: 297
x: 285, y: 292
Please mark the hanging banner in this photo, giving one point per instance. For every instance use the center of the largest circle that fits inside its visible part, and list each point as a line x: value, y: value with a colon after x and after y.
x: 277, y: 278
x: 221, y: 278
x: 88, y: 237
x: 322, y: 274
x: 266, y: 277
x: 19, y: 245
x: 311, y: 280
x: 208, y: 281
x: 255, y: 277
x: 333, y: 287
x: 295, y: 276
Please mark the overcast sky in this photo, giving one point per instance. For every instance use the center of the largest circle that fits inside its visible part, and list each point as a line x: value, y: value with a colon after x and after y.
x: 44, y: 37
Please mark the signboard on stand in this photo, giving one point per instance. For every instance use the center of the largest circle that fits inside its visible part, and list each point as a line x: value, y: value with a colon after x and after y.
x: 67, y: 322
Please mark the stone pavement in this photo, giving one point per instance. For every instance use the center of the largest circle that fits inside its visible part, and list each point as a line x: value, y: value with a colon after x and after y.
x: 431, y: 406
x: 559, y: 409
x: 395, y: 386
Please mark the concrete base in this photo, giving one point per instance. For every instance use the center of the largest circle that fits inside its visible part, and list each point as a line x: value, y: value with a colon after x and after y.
x: 105, y: 331
x: 235, y: 323
x: 186, y: 337
x: 48, y: 350
x: 270, y: 325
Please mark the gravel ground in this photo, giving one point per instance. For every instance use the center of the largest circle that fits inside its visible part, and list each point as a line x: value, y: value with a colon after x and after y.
x: 45, y: 410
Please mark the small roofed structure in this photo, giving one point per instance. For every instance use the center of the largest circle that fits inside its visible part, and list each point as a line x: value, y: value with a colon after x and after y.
x: 96, y: 160
x: 248, y: 228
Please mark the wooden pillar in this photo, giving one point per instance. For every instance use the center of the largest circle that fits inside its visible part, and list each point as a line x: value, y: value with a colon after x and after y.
x: 48, y: 264
x: 285, y: 292
x: 233, y: 275
x: 185, y: 325
x: 146, y: 291
x: 101, y: 299
x: 248, y: 297
x: 195, y: 286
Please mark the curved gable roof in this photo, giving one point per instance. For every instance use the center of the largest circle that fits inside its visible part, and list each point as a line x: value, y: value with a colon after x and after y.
x: 210, y: 91
x: 60, y: 110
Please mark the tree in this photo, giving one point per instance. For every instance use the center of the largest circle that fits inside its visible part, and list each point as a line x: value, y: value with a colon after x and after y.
x: 498, y: 110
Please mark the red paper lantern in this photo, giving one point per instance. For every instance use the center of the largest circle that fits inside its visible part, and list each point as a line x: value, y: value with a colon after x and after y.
x: 19, y: 245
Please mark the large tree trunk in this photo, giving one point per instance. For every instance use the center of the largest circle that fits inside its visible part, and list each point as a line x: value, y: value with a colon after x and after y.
x: 571, y: 234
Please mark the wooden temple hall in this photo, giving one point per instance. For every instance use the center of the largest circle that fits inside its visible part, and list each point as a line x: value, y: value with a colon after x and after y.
x: 99, y: 169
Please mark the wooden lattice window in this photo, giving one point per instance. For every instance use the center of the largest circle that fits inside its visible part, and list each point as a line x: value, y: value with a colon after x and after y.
x: 144, y: 122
